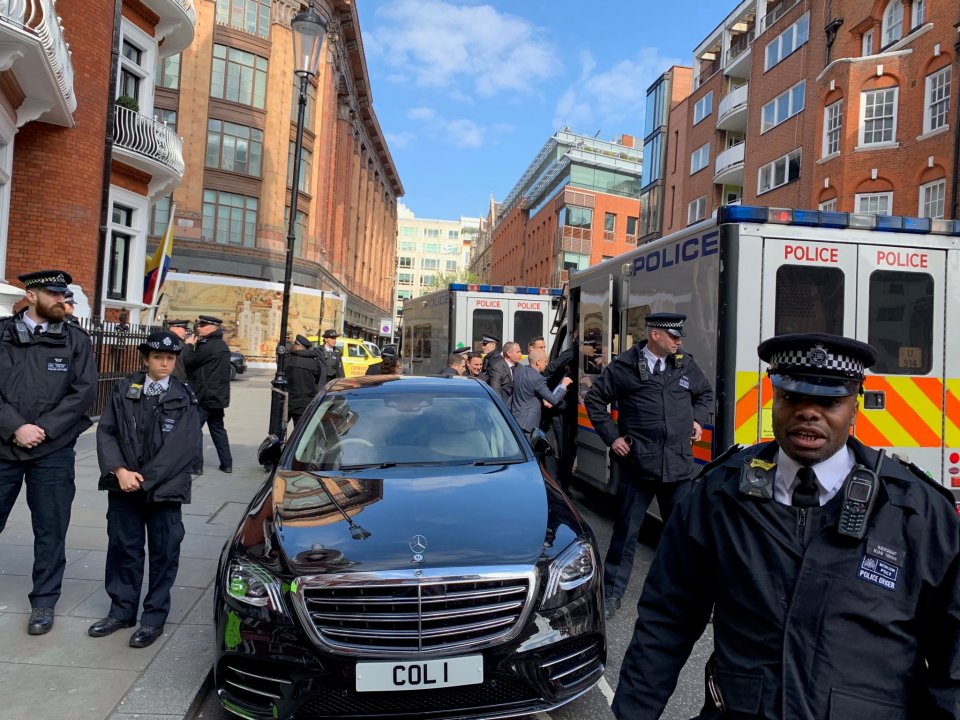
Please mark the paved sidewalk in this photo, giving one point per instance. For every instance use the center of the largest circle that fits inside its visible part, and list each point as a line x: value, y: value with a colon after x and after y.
x: 66, y: 673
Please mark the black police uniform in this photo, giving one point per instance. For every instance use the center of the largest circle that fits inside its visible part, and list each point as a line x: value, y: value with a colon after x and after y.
x: 657, y: 413
x: 208, y: 370
x: 179, y: 370
x: 331, y: 364
x: 303, y: 376
x: 146, y: 434
x: 50, y: 380
x: 806, y: 625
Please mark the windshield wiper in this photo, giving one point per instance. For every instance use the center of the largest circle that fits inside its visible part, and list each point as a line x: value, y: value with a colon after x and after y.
x: 366, y: 466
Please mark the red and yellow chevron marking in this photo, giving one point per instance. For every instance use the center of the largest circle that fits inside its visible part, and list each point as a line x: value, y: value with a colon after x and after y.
x: 918, y: 411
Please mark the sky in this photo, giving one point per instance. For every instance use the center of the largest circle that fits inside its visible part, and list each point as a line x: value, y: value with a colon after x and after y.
x: 468, y: 91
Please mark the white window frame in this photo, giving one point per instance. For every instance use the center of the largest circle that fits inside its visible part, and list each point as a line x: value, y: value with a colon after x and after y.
x: 771, y: 170
x: 892, y: 24
x: 940, y: 188
x: 860, y: 198
x: 790, y: 109
x: 866, y: 42
x: 8, y: 129
x: 703, y: 108
x: 697, y: 210
x: 779, y: 43
x: 892, y: 142
x: 147, y: 67
x: 828, y: 205
x: 699, y: 158
x: 918, y: 14
x: 137, y: 256
x: 942, y: 98
x: 832, y: 128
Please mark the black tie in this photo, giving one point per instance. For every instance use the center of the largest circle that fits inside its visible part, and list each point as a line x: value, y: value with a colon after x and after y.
x: 806, y: 494
x: 37, y: 330
x: 658, y: 368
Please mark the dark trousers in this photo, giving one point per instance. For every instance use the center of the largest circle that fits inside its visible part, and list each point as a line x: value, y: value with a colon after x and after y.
x: 50, y: 491
x: 213, y: 417
x: 633, y: 498
x: 131, y: 521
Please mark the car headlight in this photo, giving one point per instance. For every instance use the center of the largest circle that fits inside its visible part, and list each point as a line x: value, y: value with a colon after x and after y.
x: 252, y: 584
x: 570, y: 575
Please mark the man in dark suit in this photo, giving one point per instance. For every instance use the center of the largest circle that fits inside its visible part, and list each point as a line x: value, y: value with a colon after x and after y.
x: 303, y: 374
x: 501, y: 370
x: 530, y: 392
x: 208, y: 371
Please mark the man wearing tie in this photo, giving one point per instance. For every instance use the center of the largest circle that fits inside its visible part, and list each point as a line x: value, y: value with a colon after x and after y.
x: 832, y: 572
x: 663, y: 400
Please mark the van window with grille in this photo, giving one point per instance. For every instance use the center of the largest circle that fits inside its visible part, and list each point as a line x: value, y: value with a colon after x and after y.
x: 809, y: 299
x: 527, y: 324
x: 487, y: 322
x: 900, y: 324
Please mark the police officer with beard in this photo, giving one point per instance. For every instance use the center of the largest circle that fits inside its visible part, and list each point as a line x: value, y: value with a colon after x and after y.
x: 151, y: 417
x: 832, y: 572
x: 303, y: 375
x: 331, y: 363
x: 208, y: 370
x: 48, y: 380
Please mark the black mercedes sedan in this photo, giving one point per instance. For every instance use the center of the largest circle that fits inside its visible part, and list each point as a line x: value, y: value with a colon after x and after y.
x: 408, y: 558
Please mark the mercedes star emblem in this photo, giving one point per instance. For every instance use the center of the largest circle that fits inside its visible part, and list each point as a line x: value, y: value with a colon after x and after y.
x: 418, y: 543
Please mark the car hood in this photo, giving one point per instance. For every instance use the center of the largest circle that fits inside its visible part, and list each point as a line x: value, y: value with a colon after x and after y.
x: 454, y: 517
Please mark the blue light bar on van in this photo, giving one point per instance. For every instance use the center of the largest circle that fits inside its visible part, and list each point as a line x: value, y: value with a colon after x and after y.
x: 519, y: 290
x: 743, y: 213
x: 819, y: 218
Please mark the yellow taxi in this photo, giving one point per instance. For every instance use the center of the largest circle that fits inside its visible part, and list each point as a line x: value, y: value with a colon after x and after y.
x: 357, y: 357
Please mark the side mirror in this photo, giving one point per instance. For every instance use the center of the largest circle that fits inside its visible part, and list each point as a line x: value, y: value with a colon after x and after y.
x: 541, y: 445
x: 268, y: 454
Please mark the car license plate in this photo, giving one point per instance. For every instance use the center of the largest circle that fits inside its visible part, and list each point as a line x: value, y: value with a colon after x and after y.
x: 419, y: 675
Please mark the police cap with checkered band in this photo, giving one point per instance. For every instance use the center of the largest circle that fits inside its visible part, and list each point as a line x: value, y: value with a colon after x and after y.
x: 669, y: 322
x: 52, y: 280
x: 161, y: 341
x: 816, y: 363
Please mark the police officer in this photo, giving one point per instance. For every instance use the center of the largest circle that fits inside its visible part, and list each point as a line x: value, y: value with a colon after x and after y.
x: 69, y: 306
x: 833, y: 573
x: 208, y: 371
x: 151, y: 417
x: 664, y: 400
x: 488, y: 346
x: 180, y: 328
x: 48, y: 380
x: 331, y: 363
x: 303, y: 373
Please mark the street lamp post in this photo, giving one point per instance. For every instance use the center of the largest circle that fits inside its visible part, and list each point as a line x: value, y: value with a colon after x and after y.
x: 308, y: 32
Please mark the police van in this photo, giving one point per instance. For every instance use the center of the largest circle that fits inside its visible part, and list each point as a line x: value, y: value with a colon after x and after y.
x: 750, y: 273
x: 435, y: 325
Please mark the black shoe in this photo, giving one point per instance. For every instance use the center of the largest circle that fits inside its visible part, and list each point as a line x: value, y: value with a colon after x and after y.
x: 226, y: 469
x: 197, y: 472
x: 145, y: 635
x: 108, y: 626
x: 610, y: 607
x: 41, y: 620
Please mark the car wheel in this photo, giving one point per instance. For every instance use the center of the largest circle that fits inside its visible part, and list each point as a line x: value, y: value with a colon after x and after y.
x: 233, y: 372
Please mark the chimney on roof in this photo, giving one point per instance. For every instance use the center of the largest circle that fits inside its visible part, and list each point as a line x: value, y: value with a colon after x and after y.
x: 626, y: 141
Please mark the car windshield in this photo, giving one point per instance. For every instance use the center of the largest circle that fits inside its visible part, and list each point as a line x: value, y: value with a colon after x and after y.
x: 354, y: 430
x: 373, y: 349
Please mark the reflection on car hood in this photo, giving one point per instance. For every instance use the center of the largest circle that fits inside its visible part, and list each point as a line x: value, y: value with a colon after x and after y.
x: 465, y: 516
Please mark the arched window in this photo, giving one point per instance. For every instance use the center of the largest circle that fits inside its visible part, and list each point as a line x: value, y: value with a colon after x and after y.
x: 892, y: 23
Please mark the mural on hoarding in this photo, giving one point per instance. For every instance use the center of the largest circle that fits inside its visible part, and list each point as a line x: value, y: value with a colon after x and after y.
x: 250, y: 310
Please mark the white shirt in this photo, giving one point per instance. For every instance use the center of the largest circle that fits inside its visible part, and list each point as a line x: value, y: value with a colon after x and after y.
x: 653, y: 359
x: 830, y: 475
x: 165, y: 383
x: 31, y: 324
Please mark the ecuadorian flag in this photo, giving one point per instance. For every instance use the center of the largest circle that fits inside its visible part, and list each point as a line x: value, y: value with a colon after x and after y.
x: 158, y: 264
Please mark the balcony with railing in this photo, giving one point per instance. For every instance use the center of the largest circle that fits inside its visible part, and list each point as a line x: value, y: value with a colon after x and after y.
x: 574, y: 240
x: 732, y: 111
x: 33, y: 48
x: 729, y: 166
x: 737, y: 61
x: 775, y: 11
x: 177, y: 24
x: 148, y: 145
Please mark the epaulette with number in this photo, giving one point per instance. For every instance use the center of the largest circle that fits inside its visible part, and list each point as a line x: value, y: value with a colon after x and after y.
x: 719, y: 460
x: 924, y: 476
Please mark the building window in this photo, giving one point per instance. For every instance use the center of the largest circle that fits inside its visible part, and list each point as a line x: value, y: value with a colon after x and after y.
x: 787, y: 42
x: 453, y: 234
x: 167, y: 117
x: 866, y: 43
x: 878, y: 203
x: 429, y: 264
x: 407, y: 231
x: 238, y: 76
x: 232, y: 147
x: 699, y: 158
x: 450, y: 249
x: 936, y: 107
x: 299, y: 232
x: 932, y: 199
x: 404, y: 262
x: 878, y: 124
x: 137, y: 66
x: 431, y: 233
x: 311, y: 105
x: 404, y: 294
x: 917, y: 14
x: 782, y: 107
x: 252, y: 16
x: 427, y: 280
x: 121, y: 245
x: 832, y: 123
x: 306, y: 168
x: 431, y: 248
x: 160, y: 216
x: 229, y: 219
x: 632, y: 224
x: 697, y: 210
x: 451, y: 266
x: 892, y: 27
x: 703, y: 107
x: 828, y: 205
x: 779, y: 172
x: 130, y: 70
x: 573, y: 216
x: 168, y: 72
x: 404, y: 278
x: 609, y: 222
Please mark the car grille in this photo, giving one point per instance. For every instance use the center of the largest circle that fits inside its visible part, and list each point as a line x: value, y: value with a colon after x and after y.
x: 573, y: 663
x: 415, y: 615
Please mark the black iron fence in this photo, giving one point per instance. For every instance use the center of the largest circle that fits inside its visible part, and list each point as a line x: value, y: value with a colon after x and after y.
x: 116, y: 354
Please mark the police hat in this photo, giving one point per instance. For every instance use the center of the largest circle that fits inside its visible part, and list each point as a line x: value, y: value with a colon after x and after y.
x: 161, y: 341
x: 461, y: 351
x: 208, y: 320
x: 303, y: 342
x: 68, y: 298
x: 489, y: 339
x: 816, y: 363
x: 330, y: 333
x: 671, y: 322
x: 178, y: 323
x: 52, y: 280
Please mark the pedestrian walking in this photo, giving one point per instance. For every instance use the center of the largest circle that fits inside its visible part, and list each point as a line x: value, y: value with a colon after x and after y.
x: 531, y: 393
x: 208, y: 370
x: 331, y: 361
x: 150, y: 418
x: 180, y: 328
x: 663, y: 400
x: 832, y: 572
x: 500, y: 371
x: 303, y: 371
x: 48, y: 380
x: 456, y: 365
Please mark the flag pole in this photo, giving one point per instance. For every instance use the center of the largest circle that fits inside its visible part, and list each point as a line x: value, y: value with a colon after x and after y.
x: 159, y: 265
